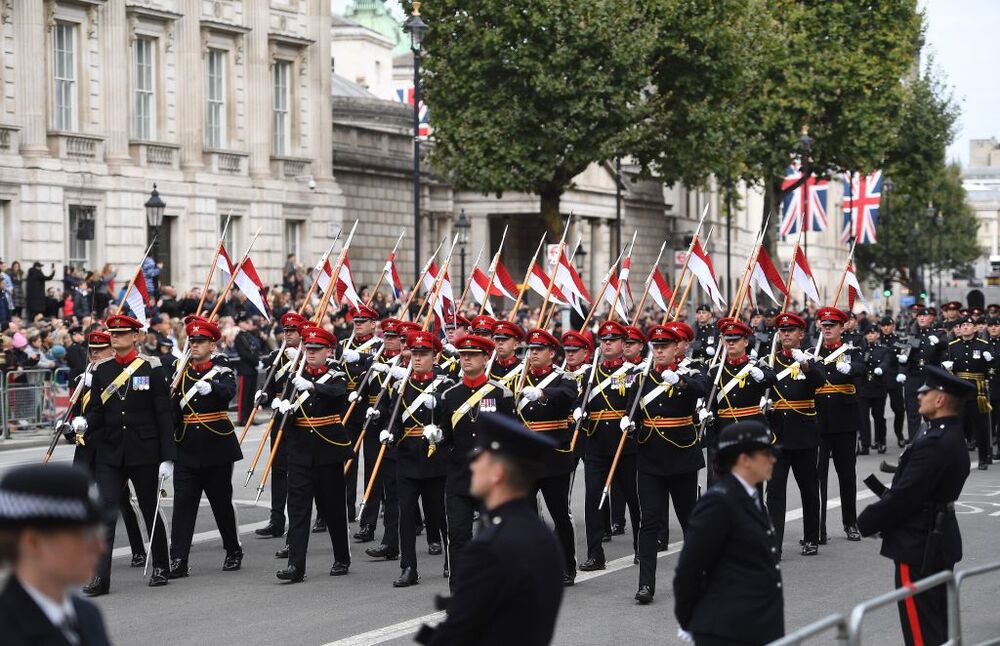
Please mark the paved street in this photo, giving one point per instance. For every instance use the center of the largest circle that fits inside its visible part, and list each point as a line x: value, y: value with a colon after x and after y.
x: 252, y: 607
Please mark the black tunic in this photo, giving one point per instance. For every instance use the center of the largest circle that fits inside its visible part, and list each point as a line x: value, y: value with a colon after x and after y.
x: 205, y: 436
x: 606, y: 408
x: 315, y: 434
x: 460, y: 436
x: 549, y: 415
x: 414, y: 457
x: 666, y: 431
x: 793, y: 414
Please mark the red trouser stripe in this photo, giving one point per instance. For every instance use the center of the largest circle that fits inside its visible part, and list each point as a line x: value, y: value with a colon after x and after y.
x: 239, y: 397
x: 911, y: 606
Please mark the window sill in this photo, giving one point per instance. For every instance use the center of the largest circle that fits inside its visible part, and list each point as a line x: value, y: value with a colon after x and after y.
x: 10, y: 139
x: 153, y: 154
x: 227, y: 162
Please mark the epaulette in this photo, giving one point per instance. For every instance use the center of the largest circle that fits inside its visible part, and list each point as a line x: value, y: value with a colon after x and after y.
x: 954, y: 341
x: 154, y: 362
x: 505, y: 391
x: 982, y: 340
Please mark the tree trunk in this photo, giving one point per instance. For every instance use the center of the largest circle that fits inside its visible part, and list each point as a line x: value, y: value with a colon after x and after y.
x: 550, y: 197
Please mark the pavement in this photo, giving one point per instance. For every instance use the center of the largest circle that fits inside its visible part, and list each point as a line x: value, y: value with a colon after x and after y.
x: 252, y: 607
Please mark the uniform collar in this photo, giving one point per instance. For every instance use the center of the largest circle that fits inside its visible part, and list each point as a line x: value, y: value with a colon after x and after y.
x: 541, y: 372
x: 613, y: 364
x: 54, y: 610
x: 423, y: 376
x: 834, y: 345
x: 127, y: 359
x: 739, y: 361
x: 201, y: 367
x: 361, y: 338
x: 660, y: 367
x: 508, y: 362
x: 315, y: 371
x: 389, y: 354
x: 475, y: 383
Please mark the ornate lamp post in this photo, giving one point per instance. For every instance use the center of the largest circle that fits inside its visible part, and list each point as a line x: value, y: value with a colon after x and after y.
x: 416, y: 28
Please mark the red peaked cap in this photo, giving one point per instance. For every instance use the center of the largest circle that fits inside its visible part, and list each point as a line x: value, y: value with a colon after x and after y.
x: 632, y: 333
x: 422, y: 340
x: 98, y: 339
x: 611, y: 329
x: 364, y: 312
x: 573, y: 339
x: 684, y: 331
x: 662, y: 334
x: 789, y: 319
x: 483, y: 323
x: 507, y: 328
x: 316, y: 337
x: 473, y: 343
x: 122, y: 323
x: 736, y: 328
x: 539, y: 338
x: 831, y: 314
x: 293, y: 320
x: 205, y: 330
x: 390, y: 326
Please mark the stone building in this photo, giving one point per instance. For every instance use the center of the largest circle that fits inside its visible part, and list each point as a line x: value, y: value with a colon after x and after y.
x: 223, y: 104
x: 981, y: 180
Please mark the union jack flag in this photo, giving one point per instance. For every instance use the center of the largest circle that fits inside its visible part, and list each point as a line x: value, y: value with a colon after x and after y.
x: 406, y: 96
x: 808, y: 200
x: 862, y: 197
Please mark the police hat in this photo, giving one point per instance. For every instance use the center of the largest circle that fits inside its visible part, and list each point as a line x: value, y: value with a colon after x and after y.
x: 936, y: 378
x: 49, y: 496
x: 886, y: 320
x: 509, y: 438
x: 993, y: 320
x: 743, y: 437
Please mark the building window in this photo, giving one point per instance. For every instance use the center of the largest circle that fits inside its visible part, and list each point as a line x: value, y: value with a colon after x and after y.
x: 81, y: 236
x: 281, y: 123
x: 215, y: 119
x: 143, y: 89
x: 64, y: 73
x: 293, y: 232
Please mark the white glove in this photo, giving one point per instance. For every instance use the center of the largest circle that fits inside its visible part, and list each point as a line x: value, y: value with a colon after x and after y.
x: 705, y: 415
x: 900, y: 378
x: 352, y: 396
x: 670, y: 377
x: 302, y: 384
x: 385, y: 437
x: 710, y: 350
x: 203, y: 387
x: 291, y: 353
x: 450, y: 348
x: 276, y: 403
x: 433, y: 434
x: 373, y: 412
x: 166, y: 470
x: 933, y: 339
x: 753, y: 354
x: 757, y: 374
x: 843, y: 367
x: 625, y: 424
x: 88, y: 378
x: 79, y: 425
x: 577, y: 414
x: 260, y: 365
x: 799, y: 355
x: 380, y: 368
x: 284, y: 406
x: 351, y: 356
x: 684, y: 635
x: 428, y: 401
x: 877, y: 371
x: 397, y: 372
x: 531, y: 393
x: 259, y: 398
x: 947, y: 365
x: 902, y: 358
x: 986, y: 355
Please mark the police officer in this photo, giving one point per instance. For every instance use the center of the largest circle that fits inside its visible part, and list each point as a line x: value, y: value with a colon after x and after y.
x: 927, y: 345
x: 892, y: 378
x: 916, y: 516
x: 508, y: 588
x: 875, y: 360
x: 318, y: 446
x: 969, y: 357
x: 669, y: 455
x: 356, y: 357
x: 727, y: 586
x: 206, y: 449
x: 460, y: 420
x: 706, y: 334
x: 129, y: 421
x: 793, y: 421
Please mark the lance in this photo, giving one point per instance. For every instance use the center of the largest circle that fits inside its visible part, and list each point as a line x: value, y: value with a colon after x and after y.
x: 381, y: 276
x: 493, y: 270
x: 624, y: 437
x: 131, y: 283
x: 586, y: 398
x: 364, y: 382
x: 552, y: 276
x: 465, y: 292
x: 77, y: 393
x: 524, y: 283
x: 420, y: 279
x: 435, y: 294
x: 232, y: 278
x: 211, y: 268
x: 368, y: 420
x: 788, y: 290
x: 649, y: 281
x: 745, y: 291
x: 687, y: 289
x: 836, y: 297
x: 600, y: 294
x: 382, y: 449
x: 680, y: 277
x: 618, y: 286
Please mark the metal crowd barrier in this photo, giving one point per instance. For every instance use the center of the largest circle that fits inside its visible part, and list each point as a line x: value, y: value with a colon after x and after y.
x: 848, y: 627
x: 31, y: 400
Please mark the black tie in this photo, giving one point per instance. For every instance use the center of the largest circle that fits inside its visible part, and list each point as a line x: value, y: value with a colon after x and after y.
x: 69, y: 630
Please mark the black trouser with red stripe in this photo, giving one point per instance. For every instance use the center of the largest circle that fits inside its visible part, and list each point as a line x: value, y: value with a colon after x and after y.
x: 246, y: 387
x: 923, y: 617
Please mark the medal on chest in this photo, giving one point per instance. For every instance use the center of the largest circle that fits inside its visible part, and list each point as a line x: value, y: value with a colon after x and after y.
x: 488, y: 405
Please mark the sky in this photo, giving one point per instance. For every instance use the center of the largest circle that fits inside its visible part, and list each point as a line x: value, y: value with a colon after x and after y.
x: 958, y: 36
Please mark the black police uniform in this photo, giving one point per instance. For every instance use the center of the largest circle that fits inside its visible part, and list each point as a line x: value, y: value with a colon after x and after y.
x: 969, y: 362
x: 706, y: 341
x: 894, y: 389
x: 793, y: 420
x: 741, y: 403
x: 668, y: 457
x: 927, y: 347
x: 459, y: 418
x: 207, y: 448
x: 366, y: 346
x: 994, y: 385
x: 131, y: 427
x: 918, y: 525
x: 876, y: 362
x: 23, y: 623
x: 248, y: 346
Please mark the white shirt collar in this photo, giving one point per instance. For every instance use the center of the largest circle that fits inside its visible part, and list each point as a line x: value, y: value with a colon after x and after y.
x: 750, y: 489
x: 55, y: 611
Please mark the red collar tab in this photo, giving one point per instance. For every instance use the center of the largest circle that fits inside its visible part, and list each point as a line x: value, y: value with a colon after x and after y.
x: 786, y: 353
x: 739, y: 361
x: 507, y: 363
x: 475, y: 383
x: 541, y: 372
x: 362, y: 338
x: 423, y: 376
x: 834, y: 346
x: 315, y: 371
x: 127, y: 359
x: 612, y: 364
x: 389, y: 354
x: 204, y: 366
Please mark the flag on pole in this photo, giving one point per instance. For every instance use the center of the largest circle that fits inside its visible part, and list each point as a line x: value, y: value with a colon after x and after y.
x: 478, y: 286
x: 250, y: 284
x: 137, y: 297
x: 862, y: 198
x: 345, y: 285
x: 659, y: 291
x: 223, y: 264
x: 764, y: 275
x: 854, y: 290
x: 539, y: 283
x: 802, y: 276
x: 700, y: 264
x: 503, y: 283
x: 806, y: 202
x: 570, y: 284
x: 624, y: 303
x: 444, y: 303
x: 392, y: 276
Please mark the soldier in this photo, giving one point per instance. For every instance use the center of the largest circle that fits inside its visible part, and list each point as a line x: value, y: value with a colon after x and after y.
x: 508, y: 589
x: 420, y: 467
x: 482, y: 325
x: 706, y: 334
x: 460, y: 422
x: 206, y: 449
x: 129, y: 422
x: 317, y: 447
x: 969, y: 358
x: 916, y: 515
x: 454, y: 330
x: 635, y: 344
x: 577, y: 348
x: 893, y: 385
x: 852, y: 334
x: 506, y: 366
x: 85, y: 457
x: 635, y: 347
x: 282, y: 359
x: 950, y: 312
x: 927, y: 346
x: 607, y: 419
x: 546, y: 402
x: 669, y: 455
x: 875, y: 361
x: 837, y: 416
x: 356, y: 358
x: 793, y: 422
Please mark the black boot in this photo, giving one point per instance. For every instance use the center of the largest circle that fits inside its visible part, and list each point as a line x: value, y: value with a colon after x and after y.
x: 270, y: 531
x: 339, y: 569
x: 179, y: 568
x: 407, y: 578
x: 98, y: 586
x: 138, y: 559
x: 591, y: 564
x: 382, y: 552
x: 366, y: 534
x: 282, y: 553
x: 233, y: 562
x: 319, y: 526
x: 644, y: 595
x: 290, y: 574
x: 160, y: 577
x: 852, y: 533
x: 434, y: 549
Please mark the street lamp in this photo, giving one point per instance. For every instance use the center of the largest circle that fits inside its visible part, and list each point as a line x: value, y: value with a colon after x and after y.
x: 416, y: 28
x: 462, y: 226
x: 154, y: 218
x: 934, y: 216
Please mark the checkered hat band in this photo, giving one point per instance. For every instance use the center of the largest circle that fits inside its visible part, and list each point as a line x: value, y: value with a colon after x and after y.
x: 15, y: 505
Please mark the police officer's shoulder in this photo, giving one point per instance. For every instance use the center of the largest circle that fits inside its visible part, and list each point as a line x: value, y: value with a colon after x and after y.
x: 154, y: 362
x: 954, y: 341
x: 979, y: 339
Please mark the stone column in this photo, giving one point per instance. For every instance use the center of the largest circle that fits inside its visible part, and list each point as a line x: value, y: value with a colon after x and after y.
x: 479, y: 235
x: 30, y: 34
x: 258, y: 91
x: 319, y: 71
x: 114, y: 41
x: 191, y: 106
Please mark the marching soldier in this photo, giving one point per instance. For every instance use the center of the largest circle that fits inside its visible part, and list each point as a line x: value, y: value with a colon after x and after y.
x: 892, y: 378
x: 837, y: 416
x: 706, y: 335
x: 506, y: 366
x: 356, y: 355
x: 793, y: 422
x: 129, y: 422
x: 607, y: 419
x: 317, y: 447
x: 916, y: 515
x: 461, y: 423
x: 420, y: 467
x: 206, y: 449
x: 635, y: 344
x: 483, y: 325
x: 669, y: 455
x: 927, y: 346
x: 968, y: 357
x: 449, y: 362
x: 950, y: 313
x: 578, y: 348
x: 875, y: 361
x: 545, y: 403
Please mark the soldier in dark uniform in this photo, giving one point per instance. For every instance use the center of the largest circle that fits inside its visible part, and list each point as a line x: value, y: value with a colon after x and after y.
x: 993, y: 338
x: 508, y: 588
x: 927, y: 346
x: 356, y: 357
x: 248, y: 345
x: 165, y: 353
x: 607, y: 419
x: 837, y: 416
x: 420, y: 466
x: 482, y: 325
x: 129, y: 422
x: 950, y: 313
x: 317, y: 447
x: 893, y: 378
x: 706, y: 342
x: 852, y: 334
x: 916, y: 516
x: 969, y: 358
x: 635, y: 347
x: 545, y: 403
x: 282, y: 358
x: 727, y: 586
x: 578, y: 348
x: 460, y: 423
x: 449, y: 363
x: 875, y: 360
x: 507, y: 367
x: 669, y: 455
x: 206, y: 449
x: 793, y: 422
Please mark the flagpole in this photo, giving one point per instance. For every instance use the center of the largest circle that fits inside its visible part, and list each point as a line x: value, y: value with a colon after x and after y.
x: 211, y: 267
x: 381, y: 275
x: 680, y: 277
x: 600, y: 295
x: 649, y: 281
x: 420, y: 279
x: 745, y: 289
x: 524, y: 283
x: 552, y: 275
x: 734, y: 306
x: 493, y: 271
x: 681, y: 303
x: 618, y: 286
x: 232, y: 278
x: 131, y: 283
x: 843, y: 276
x: 438, y: 283
x: 465, y: 292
